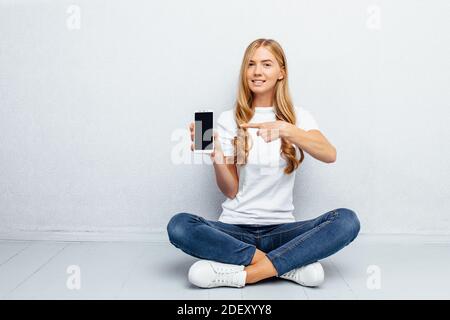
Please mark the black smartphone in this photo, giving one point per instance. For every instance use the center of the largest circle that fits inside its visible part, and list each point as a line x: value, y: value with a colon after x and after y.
x: 203, y: 134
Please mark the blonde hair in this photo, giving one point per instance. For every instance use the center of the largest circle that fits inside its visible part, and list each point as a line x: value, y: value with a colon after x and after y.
x: 283, y: 107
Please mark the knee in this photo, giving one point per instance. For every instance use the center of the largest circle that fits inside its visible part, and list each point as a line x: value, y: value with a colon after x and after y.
x: 176, y: 228
x: 349, y: 222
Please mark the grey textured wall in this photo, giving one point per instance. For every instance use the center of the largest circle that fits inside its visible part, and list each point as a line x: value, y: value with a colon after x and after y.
x: 96, y: 96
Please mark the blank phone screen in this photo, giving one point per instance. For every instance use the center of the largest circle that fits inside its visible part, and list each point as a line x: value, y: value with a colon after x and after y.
x: 203, y: 131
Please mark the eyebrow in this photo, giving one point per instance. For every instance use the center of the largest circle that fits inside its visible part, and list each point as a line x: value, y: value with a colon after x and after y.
x: 263, y: 60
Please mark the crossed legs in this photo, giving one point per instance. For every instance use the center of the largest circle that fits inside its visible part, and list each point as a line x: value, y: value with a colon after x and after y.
x: 260, y: 268
x: 310, y: 241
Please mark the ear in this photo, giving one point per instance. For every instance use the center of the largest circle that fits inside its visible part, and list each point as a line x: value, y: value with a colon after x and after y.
x: 282, y: 74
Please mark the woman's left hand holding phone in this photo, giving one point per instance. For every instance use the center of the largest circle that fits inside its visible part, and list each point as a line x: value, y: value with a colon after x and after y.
x: 217, y: 153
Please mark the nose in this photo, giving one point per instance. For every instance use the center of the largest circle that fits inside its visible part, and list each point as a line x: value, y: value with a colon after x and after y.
x: 257, y: 69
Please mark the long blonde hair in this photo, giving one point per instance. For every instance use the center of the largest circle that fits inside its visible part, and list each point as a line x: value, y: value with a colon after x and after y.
x: 283, y: 107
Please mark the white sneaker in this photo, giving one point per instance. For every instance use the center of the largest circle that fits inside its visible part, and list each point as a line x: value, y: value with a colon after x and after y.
x: 210, y: 274
x: 311, y: 275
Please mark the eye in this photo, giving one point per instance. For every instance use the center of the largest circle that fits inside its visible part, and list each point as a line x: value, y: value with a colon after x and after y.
x: 267, y: 64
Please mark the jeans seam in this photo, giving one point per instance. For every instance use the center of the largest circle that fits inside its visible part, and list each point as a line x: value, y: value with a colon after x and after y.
x: 292, y: 229
x: 317, y: 228
x: 199, y: 257
x: 274, y: 234
x: 301, y: 240
x: 225, y: 230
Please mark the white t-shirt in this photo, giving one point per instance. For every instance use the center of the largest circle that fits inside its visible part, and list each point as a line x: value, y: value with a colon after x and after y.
x: 265, y: 191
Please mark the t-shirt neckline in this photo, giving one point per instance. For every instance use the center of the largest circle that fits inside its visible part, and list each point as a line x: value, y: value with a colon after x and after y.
x: 264, y: 109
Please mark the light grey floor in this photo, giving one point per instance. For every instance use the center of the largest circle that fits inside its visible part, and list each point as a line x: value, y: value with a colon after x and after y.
x: 373, y: 267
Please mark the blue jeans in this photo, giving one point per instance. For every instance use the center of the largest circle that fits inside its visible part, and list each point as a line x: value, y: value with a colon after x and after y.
x: 288, y: 245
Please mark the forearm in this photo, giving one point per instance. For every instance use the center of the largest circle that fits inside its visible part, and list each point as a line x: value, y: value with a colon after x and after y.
x: 313, y: 143
x: 226, y: 176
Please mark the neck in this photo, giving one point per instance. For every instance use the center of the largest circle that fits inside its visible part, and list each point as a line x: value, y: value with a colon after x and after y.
x: 263, y: 100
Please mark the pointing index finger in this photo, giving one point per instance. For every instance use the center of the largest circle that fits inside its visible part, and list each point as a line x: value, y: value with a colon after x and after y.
x: 251, y: 125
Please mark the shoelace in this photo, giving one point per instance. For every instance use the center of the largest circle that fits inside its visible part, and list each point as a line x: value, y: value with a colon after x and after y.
x: 291, y: 274
x: 228, y: 278
x: 227, y: 275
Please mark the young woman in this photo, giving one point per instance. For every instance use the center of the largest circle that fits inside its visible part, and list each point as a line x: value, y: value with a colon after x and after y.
x: 259, y: 145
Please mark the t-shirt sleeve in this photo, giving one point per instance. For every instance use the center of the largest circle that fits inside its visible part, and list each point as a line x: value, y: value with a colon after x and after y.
x: 305, y: 120
x: 226, y: 128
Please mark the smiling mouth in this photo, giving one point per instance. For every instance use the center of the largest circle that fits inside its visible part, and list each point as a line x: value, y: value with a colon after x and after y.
x: 258, y: 81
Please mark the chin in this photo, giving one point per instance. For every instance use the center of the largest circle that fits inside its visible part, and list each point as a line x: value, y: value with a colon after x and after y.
x: 259, y: 90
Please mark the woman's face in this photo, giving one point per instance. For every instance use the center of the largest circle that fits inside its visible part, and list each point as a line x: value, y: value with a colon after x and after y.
x: 263, y: 71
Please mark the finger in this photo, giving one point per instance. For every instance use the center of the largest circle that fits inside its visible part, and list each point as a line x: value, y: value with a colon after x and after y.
x: 261, y: 132
x: 251, y: 125
x: 269, y: 136
x: 192, y: 147
x: 263, y: 136
x: 266, y: 138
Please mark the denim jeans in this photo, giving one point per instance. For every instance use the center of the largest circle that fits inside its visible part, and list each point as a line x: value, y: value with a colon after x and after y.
x: 287, y: 246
